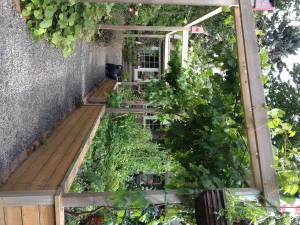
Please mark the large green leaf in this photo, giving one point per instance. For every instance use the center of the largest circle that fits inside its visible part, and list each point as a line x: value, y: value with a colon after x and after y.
x: 38, y: 14
x: 49, y: 11
x: 46, y: 23
x: 26, y: 12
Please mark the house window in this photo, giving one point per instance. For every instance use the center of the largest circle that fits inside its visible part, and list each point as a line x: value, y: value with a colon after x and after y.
x: 149, y: 58
x: 152, y: 123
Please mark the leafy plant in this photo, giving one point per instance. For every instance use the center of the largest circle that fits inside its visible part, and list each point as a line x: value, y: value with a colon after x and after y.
x: 287, y: 156
x: 120, y: 149
x: 62, y: 23
x: 239, y: 209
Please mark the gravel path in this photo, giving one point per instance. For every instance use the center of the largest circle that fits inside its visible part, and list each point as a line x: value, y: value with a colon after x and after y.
x: 37, y: 85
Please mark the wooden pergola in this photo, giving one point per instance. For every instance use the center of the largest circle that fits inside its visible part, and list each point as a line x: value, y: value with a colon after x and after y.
x: 256, y: 120
x: 258, y: 134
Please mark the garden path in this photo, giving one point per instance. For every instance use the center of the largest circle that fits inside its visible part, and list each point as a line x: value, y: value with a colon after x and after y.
x: 38, y: 86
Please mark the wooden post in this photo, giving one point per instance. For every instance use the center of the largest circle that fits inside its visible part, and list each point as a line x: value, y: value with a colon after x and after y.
x: 167, y: 51
x: 247, y: 100
x: 172, y: 2
x: 258, y: 107
x: 185, y: 47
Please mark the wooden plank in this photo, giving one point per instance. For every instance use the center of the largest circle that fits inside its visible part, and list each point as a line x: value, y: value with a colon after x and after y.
x: 172, y: 2
x: 132, y: 83
x: 205, y: 17
x: 124, y: 102
x: 2, y: 217
x: 53, y: 166
x: 47, y: 215
x: 143, y: 35
x: 78, y: 148
x: 262, y: 132
x: 167, y: 51
x: 144, y: 28
x: 245, y: 191
x: 22, y: 198
x: 247, y: 104
x: 16, y: 176
x: 185, y: 47
x: 30, y: 215
x: 13, y: 215
x: 59, y: 211
x: 98, y: 100
x: 48, y: 150
x: 131, y: 110
x: 100, y: 198
x: 104, y: 88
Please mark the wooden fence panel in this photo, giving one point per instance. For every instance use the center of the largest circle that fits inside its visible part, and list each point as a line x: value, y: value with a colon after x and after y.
x: 13, y: 215
x: 47, y: 215
x: 30, y: 215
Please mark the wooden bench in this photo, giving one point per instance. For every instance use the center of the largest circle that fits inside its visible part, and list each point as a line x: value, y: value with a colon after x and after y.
x: 104, y: 88
x: 33, y: 193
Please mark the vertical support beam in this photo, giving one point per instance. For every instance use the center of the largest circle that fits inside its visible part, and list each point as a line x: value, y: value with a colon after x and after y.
x: 260, y: 118
x: 185, y: 47
x: 59, y: 210
x: 247, y: 100
x: 167, y: 51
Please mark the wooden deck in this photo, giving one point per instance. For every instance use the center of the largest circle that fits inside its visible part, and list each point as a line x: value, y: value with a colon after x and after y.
x: 30, y: 194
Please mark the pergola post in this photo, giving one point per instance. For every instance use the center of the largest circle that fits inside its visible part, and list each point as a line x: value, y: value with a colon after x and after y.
x: 167, y: 51
x: 260, y: 135
x: 185, y: 47
x: 247, y: 105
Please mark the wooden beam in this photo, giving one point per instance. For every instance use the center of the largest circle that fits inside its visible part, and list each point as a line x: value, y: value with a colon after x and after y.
x: 167, y: 51
x: 260, y: 118
x: 131, y: 110
x: 185, y: 47
x: 100, y: 199
x: 23, y: 198
x: 171, y: 2
x: 124, y: 102
x: 247, y: 104
x: 132, y: 83
x: 143, y: 35
x: 145, y: 28
x: 59, y: 210
x: 205, y: 17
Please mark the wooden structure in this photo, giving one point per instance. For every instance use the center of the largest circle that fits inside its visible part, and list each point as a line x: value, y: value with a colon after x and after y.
x: 35, y: 193
x: 104, y: 88
x: 32, y: 195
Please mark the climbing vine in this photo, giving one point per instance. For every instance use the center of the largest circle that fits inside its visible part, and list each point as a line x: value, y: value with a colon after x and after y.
x: 62, y: 23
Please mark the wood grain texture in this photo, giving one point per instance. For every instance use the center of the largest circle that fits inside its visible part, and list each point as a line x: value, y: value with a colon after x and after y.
x: 247, y: 103
x: 30, y: 215
x: 2, y: 216
x: 13, y: 215
x: 74, y: 167
x: 59, y: 211
x: 47, y: 215
x: 51, y: 149
x: 22, y: 198
x: 104, y: 88
x: 262, y: 132
x: 54, y: 167
x: 83, y: 128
